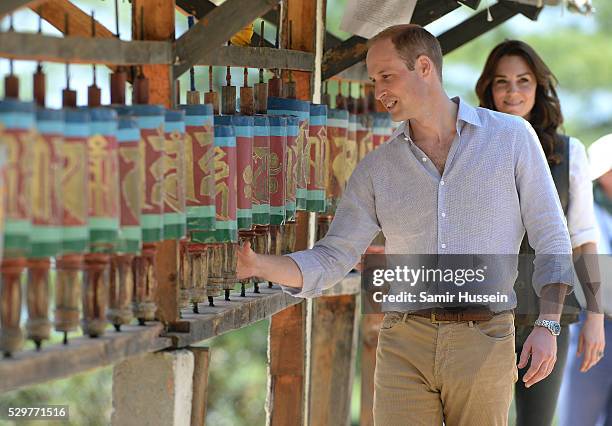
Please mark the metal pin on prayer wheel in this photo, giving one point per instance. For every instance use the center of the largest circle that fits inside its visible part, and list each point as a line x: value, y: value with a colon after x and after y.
x: 38, y: 80
x: 275, y: 84
x: 340, y: 100
x: 211, y: 97
x: 228, y: 94
x: 193, y: 96
x: 246, y: 95
x: 290, y: 85
x: 325, y: 99
x: 141, y: 83
x: 69, y: 97
x: 261, y: 88
x: 11, y: 82
x: 119, y: 77
x: 94, y: 94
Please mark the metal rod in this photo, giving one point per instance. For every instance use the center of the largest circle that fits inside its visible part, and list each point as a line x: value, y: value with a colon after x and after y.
x: 117, y: 18
x: 190, y: 22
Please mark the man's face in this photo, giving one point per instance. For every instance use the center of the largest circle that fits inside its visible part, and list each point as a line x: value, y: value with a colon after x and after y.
x: 399, y: 89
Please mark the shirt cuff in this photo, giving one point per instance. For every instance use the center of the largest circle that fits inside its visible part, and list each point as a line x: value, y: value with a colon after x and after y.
x: 311, y: 275
x: 555, y: 269
x: 587, y: 236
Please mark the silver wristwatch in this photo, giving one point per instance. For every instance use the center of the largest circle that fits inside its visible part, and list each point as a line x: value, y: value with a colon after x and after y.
x: 553, y: 326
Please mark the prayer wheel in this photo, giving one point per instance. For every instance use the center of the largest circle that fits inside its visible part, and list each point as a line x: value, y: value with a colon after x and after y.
x: 365, y: 141
x: 381, y: 128
x: 317, y: 141
x: 224, y: 238
x: 103, y: 184
x: 150, y: 119
x: 46, y: 237
x: 277, y: 180
x: 121, y: 289
x: 175, y: 221
x: 18, y: 120
x: 199, y: 199
x: 74, y: 207
x: 351, y: 153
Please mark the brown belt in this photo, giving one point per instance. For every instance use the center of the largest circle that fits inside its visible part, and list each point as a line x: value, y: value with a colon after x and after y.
x: 447, y: 315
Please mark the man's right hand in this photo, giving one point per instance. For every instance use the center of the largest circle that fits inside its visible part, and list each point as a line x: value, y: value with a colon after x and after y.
x: 247, y: 261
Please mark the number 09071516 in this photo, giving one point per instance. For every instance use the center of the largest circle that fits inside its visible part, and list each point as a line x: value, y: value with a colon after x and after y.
x: 49, y: 412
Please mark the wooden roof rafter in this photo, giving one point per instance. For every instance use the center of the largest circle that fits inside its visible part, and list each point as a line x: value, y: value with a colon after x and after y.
x: 478, y: 24
x: 353, y: 50
x: 9, y: 6
x: 215, y: 29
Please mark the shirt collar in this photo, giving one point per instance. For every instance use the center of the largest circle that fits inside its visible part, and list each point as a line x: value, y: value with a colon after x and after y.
x: 466, y: 113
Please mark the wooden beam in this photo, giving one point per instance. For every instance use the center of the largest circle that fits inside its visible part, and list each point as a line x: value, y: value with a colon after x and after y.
x: 370, y: 326
x: 9, y: 6
x: 259, y: 57
x: 81, y: 354
x: 201, y: 358
x: 478, y: 24
x: 354, y: 50
x: 215, y: 29
x: 53, y: 11
x: 332, y: 360
x: 287, y: 360
x: 470, y: 3
x: 38, y: 47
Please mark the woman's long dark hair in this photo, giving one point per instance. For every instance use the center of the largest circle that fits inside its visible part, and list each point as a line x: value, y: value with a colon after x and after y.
x: 545, y: 116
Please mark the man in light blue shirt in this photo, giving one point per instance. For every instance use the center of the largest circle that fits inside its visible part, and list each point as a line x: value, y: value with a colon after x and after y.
x: 453, y: 179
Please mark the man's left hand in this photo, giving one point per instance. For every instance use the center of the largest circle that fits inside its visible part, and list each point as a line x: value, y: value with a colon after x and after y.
x: 541, y: 345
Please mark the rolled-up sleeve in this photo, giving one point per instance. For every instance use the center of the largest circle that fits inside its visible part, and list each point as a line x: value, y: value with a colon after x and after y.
x: 352, y: 230
x: 541, y: 212
x: 580, y: 214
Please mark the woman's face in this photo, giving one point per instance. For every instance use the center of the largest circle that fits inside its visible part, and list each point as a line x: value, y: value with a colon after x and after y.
x: 514, y: 86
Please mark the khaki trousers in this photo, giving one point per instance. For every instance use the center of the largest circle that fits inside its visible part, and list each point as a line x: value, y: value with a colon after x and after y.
x: 459, y: 373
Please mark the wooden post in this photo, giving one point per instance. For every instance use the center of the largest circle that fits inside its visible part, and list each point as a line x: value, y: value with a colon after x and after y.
x: 201, y: 358
x: 287, y: 358
x: 333, y: 347
x: 159, y: 25
x: 370, y: 326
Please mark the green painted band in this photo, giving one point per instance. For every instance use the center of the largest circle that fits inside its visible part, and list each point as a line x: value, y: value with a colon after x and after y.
x: 277, y: 219
x: 75, y: 246
x: 315, y: 206
x: 201, y: 211
x: 261, y: 209
x: 46, y: 234
x: 152, y: 235
x: 245, y: 223
x: 152, y: 221
x: 15, y: 227
x: 103, y: 236
x: 244, y: 213
x: 227, y: 224
x: 19, y: 244
x: 261, y: 219
x: 174, y: 218
x: 316, y: 195
x: 174, y: 232
x: 131, y: 232
x: 103, y: 223
x: 200, y: 223
x: 46, y: 249
x: 75, y: 233
x: 217, y: 236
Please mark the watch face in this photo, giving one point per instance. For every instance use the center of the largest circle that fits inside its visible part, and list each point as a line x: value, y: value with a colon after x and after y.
x: 556, y: 328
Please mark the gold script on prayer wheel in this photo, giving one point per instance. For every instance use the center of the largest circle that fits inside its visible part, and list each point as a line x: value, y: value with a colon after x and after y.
x: 75, y: 173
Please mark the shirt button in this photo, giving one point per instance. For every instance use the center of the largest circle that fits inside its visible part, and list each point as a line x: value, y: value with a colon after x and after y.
x: 443, y: 245
x: 442, y: 182
x: 406, y: 138
x: 443, y: 214
x: 424, y: 159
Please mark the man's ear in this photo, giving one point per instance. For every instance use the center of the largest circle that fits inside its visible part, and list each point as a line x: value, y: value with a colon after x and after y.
x: 424, y: 66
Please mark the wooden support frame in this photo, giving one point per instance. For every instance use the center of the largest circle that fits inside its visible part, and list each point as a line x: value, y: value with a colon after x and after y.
x: 353, y: 50
x: 478, y: 24
x: 9, y: 6
x: 53, y: 11
x: 215, y: 29
x: 39, y: 47
x: 201, y: 358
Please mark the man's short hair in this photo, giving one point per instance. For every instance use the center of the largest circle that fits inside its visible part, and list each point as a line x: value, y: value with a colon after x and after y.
x: 412, y: 41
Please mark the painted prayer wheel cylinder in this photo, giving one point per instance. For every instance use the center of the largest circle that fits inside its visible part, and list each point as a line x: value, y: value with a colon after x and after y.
x: 317, y: 142
x: 174, y: 176
x: 337, y: 129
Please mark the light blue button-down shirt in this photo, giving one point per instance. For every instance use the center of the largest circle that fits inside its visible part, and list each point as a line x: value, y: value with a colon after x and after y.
x: 496, y: 184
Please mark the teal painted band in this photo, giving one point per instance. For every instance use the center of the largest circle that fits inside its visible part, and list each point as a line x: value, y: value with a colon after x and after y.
x: 301, y: 204
x: 261, y: 131
x: 152, y: 221
x: 174, y: 218
x: 76, y: 130
x: 128, y: 135
x: 218, y: 236
x: 245, y: 222
x: 45, y: 249
x: 279, y: 131
x: 315, y: 206
x: 225, y: 141
x: 244, y: 131
x: 50, y: 127
x: 148, y: 122
x: 104, y: 224
x: 175, y: 231
x: 46, y: 234
x: 276, y: 219
x: 318, y: 120
x: 152, y: 235
x: 244, y: 213
x: 261, y: 219
x: 75, y: 233
x: 106, y: 128
x: 75, y: 246
x: 301, y: 193
x: 130, y: 233
x: 336, y: 122
x: 261, y: 208
x: 200, y: 223
x: 277, y: 210
x: 201, y: 211
x: 17, y: 120
x: 199, y: 120
x: 315, y: 195
x: 226, y: 224
x: 102, y: 236
x: 174, y: 126
x: 16, y: 244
